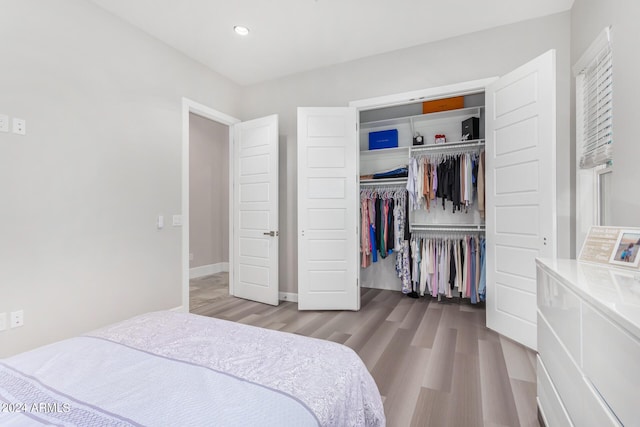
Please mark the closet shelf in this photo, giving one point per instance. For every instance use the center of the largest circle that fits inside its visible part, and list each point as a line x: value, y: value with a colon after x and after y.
x: 472, y: 144
x: 412, y: 120
x: 383, y: 182
x: 385, y: 151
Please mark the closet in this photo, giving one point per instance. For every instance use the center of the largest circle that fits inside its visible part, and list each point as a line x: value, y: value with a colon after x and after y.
x: 517, y: 120
x: 434, y: 221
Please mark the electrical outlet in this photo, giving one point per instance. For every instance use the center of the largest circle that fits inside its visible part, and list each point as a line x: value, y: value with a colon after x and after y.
x: 4, y: 123
x: 177, y: 220
x: 17, y: 318
x: 3, y: 321
x: 19, y: 126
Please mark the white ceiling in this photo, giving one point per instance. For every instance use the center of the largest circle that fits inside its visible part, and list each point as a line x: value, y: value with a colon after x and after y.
x: 290, y: 36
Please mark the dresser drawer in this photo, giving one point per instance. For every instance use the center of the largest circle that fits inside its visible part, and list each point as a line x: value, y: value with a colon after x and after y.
x: 610, y: 360
x: 561, y: 308
x: 565, y: 374
x: 549, y: 401
x: 596, y: 412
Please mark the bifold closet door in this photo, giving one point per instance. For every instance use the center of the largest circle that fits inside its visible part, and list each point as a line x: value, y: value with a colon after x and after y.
x: 328, y: 209
x: 255, y: 210
x: 521, y: 193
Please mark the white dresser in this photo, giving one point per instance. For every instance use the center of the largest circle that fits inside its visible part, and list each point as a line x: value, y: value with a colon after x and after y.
x: 588, y: 344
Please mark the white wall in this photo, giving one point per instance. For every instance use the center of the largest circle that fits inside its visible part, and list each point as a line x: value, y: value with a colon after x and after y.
x: 588, y: 18
x: 484, y: 54
x: 79, y: 194
x: 208, y: 191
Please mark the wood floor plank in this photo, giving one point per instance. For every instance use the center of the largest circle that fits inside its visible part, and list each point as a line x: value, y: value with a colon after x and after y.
x: 342, y: 321
x: 300, y: 321
x: 432, y: 409
x: 390, y: 361
x: 367, y: 295
x: 518, y: 365
x: 466, y: 392
x: 524, y: 394
x: 284, y: 315
x: 363, y: 335
x: 413, y: 318
x: 467, y: 340
x: 276, y: 326
x: 238, y: 313
x: 371, y: 352
x: 400, y: 311
x: 321, y: 319
x: 439, y: 370
x: 426, y: 332
x: 498, y: 403
x: 400, y: 403
x: 338, y: 337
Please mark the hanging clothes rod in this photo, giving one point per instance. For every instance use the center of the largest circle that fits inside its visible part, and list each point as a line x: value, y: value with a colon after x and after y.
x: 463, y: 228
x: 388, y: 182
x: 383, y: 192
x: 471, y: 145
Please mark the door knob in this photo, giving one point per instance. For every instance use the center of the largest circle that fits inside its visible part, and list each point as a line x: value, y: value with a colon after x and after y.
x: 270, y: 233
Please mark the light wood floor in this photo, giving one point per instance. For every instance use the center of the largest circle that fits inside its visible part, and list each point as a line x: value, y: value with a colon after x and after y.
x: 204, y: 290
x: 435, y: 364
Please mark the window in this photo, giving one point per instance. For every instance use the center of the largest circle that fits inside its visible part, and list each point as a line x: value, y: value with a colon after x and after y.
x: 594, y: 134
x: 594, y: 113
x: 603, y: 182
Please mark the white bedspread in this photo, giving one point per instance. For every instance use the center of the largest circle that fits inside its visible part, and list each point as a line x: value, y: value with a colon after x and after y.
x: 170, y: 369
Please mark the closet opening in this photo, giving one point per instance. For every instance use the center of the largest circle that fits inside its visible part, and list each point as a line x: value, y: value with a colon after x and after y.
x: 426, y: 137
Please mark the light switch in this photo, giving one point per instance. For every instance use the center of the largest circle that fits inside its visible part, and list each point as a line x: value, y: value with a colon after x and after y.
x: 17, y: 318
x: 160, y: 222
x: 4, y: 123
x: 19, y: 126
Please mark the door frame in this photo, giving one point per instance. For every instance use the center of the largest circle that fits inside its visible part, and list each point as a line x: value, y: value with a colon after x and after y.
x: 457, y: 89
x: 190, y: 106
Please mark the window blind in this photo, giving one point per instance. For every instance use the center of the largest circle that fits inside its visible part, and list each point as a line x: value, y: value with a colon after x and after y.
x: 597, y: 107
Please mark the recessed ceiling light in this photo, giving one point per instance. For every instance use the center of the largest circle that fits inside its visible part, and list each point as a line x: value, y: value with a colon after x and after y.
x: 239, y: 29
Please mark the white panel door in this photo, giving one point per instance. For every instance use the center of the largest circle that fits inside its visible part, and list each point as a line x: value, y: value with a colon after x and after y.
x: 255, y: 210
x: 520, y: 193
x: 328, y: 209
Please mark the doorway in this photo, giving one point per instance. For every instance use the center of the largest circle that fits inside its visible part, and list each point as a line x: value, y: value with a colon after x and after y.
x: 207, y: 270
x: 208, y: 212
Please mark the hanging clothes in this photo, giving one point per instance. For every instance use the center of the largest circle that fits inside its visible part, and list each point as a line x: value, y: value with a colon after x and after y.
x: 365, y: 245
x: 482, y: 286
x: 454, y: 178
x: 384, y: 213
x: 480, y: 180
x: 412, y: 184
x: 446, y: 266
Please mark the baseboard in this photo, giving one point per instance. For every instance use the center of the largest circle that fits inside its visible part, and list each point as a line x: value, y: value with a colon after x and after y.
x: 179, y: 309
x: 386, y: 286
x: 208, y: 270
x: 288, y: 296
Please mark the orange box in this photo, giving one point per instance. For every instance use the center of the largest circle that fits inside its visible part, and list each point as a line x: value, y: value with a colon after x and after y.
x: 443, y: 104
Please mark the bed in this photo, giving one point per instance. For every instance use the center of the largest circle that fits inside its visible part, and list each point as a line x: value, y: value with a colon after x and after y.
x: 179, y: 369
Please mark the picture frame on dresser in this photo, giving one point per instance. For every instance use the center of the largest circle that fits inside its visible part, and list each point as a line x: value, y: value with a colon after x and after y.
x: 626, y: 251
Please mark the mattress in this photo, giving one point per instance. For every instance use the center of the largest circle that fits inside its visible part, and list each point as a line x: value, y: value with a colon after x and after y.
x: 178, y: 369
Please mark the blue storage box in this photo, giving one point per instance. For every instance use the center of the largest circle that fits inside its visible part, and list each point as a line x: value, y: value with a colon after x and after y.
x: 383, y: 139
